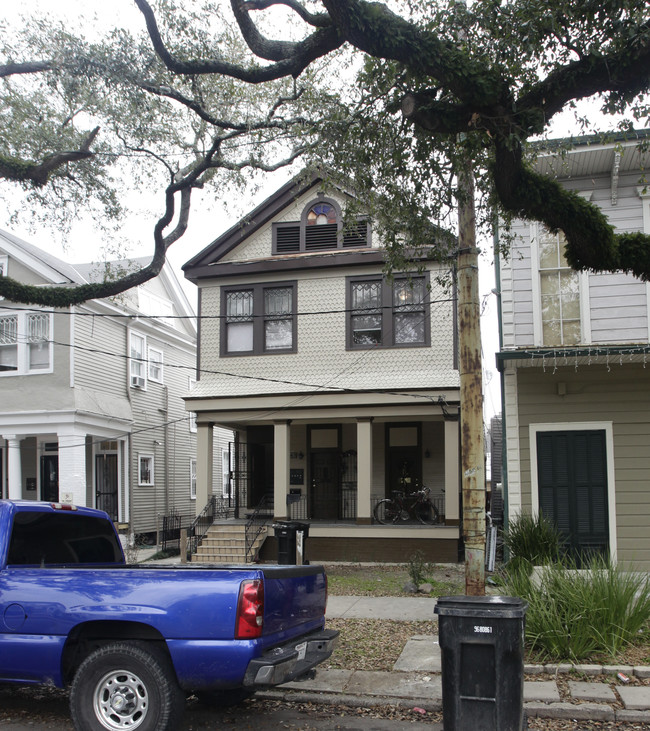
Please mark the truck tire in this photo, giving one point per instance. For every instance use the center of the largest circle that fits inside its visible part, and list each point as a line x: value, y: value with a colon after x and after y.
x: 126, y: 686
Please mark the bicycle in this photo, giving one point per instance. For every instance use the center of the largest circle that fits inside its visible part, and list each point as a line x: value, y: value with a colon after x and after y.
x: 402, y: 508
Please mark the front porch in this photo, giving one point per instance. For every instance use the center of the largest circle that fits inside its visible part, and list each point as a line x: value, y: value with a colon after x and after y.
x: 331, y: 465
x: 374, y: 543
x: 239, y: 541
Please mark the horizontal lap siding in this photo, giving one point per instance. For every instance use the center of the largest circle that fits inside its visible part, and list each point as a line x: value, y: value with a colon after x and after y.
x: 154, y: 407
x: 100, y: 354
x: 620, y: 395
x: 618, y: 309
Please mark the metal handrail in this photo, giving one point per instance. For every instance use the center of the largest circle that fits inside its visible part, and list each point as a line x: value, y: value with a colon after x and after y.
x: 200, y: 525
x: 256, y: 524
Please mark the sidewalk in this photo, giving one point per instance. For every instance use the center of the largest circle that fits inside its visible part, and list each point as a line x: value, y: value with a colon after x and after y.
x: 415, y: 680
x: 550, y: 691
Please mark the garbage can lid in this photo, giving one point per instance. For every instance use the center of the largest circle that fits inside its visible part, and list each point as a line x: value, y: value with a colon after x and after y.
x: 508, y: 607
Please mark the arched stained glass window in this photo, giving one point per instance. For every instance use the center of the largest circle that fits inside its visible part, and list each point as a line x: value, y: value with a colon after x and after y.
x: 321, y: 214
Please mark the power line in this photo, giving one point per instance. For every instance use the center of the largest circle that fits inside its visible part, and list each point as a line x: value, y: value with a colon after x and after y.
x: 140, y: 316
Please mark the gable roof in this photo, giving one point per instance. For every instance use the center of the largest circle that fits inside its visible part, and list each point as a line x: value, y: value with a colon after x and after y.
x: 52, y: 269
x: 259, y: 216
x: 57, y: 272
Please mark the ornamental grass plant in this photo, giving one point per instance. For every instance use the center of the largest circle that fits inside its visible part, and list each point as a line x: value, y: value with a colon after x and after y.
x: 532, y: 540
x: 574, y: 614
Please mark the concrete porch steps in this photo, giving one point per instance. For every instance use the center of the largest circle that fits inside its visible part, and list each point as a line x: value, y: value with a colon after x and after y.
x: 226, y: 543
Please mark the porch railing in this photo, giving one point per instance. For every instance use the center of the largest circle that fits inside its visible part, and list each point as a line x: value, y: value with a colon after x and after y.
x: 217, y: 508
x: 437, y: 500
x: 257, y: 521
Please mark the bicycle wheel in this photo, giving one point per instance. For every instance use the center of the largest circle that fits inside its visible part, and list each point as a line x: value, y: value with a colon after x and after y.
x: 385, y: 511
x: 427, y: 513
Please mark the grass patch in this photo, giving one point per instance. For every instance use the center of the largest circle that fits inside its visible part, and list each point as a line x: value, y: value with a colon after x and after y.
x: 374, y: 583
x: 389, y: 579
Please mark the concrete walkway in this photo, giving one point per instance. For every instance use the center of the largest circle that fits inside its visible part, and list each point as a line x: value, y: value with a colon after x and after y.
x: 580, y: 692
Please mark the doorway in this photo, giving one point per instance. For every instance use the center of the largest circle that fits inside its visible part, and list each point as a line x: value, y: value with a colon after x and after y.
x: 106, y: 484
x: 50, y: 478
x: 403, y: 458
x: 572, y: 479
x: 324, y: 468
x: 260, y: 464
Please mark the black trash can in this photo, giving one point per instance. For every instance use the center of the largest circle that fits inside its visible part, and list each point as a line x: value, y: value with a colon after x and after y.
x: 482, y: 647
x: 291, y: 547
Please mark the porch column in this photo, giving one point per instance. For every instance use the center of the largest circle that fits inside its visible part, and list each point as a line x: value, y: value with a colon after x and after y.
x: 14, y: 472
x: 452, y: 473
x: 72, y: 467
x: 364, y: 471
x: 204, y: 465
x: 281, y: 440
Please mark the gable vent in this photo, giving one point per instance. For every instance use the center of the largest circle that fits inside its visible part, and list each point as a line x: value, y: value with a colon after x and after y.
x: 356, y: 235
x: 287, y: 239
x: 321, y: 237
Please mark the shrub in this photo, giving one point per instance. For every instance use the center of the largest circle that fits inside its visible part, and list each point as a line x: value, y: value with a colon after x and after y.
x: 574, y: 614
x: 418, y: 568
x: 535, y: 540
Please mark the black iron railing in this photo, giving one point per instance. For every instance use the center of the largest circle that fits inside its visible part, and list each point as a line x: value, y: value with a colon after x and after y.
x: 217, y: 508
x: 171, y: 530
x: 256, y: 523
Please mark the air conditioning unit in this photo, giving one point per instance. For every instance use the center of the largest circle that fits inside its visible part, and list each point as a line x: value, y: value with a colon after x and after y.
x: 137, y: 381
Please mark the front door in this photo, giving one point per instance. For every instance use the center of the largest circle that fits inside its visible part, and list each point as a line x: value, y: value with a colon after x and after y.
x: 404, y: 469
x: 50, y: 478
x: 106, y: 484
x: 325, y: 467
x: 572, y: 477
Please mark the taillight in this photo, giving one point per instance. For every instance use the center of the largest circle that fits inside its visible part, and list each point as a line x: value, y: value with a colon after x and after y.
x: 250, y: 610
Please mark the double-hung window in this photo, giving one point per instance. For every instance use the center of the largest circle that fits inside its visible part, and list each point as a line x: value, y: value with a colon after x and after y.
x: 145, y: 470
x: 25, y: 343
x: 388, y: 314
x: 559, y: 292
x: 259, y: 319
x: 155, y: 365
x: 138, y: 362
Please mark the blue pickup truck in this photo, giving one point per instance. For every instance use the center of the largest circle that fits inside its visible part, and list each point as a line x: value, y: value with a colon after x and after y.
x: 133, y: 641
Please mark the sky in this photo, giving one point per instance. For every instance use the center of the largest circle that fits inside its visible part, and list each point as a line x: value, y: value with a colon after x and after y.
x: 208, y: 222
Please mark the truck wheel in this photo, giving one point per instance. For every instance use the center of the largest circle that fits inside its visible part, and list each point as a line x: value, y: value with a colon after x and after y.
x: 126, y: 686
x: 223, y: 698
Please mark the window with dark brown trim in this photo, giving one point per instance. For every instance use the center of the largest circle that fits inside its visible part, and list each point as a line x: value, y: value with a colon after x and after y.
x: 387, y: 314
x: 321, y: 228
x: 258, y: 319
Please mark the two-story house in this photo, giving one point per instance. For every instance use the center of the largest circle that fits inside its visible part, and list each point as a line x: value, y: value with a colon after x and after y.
x: 340, y: 384
x: 575, y: 364
x: 91, y: 408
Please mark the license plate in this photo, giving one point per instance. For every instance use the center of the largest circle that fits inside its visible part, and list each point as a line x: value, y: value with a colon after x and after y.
x: 301, y: 649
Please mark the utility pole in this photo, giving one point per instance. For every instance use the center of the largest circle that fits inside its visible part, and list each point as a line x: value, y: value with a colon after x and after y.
x: 471, y: 394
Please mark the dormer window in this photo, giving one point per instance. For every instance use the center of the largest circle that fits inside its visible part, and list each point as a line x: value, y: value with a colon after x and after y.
x: 321, y: 228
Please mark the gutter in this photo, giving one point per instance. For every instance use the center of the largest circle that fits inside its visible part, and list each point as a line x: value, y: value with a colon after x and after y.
x: 596, y: 351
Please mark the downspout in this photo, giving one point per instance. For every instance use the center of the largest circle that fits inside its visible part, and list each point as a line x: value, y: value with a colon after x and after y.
x: 165, y: 412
